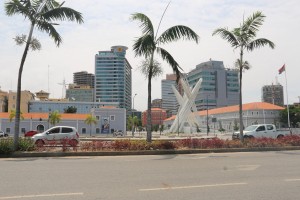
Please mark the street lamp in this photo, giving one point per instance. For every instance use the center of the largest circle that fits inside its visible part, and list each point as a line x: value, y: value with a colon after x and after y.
x: 132, y: 114
x: 207, y: 128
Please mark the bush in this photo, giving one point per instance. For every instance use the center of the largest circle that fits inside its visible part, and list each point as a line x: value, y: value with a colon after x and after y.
x: 26, y: 144
x: 6, y: 145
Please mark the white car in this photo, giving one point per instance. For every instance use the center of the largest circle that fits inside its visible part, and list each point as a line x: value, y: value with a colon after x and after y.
x: 2, y: 134
x: 56, y: 135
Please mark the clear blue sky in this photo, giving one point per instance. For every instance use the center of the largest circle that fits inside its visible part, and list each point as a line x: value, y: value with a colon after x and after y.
x: 107, y: 23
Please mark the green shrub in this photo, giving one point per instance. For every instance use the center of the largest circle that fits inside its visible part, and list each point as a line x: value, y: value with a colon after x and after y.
x: 6, y: 145
x: 26, y: 144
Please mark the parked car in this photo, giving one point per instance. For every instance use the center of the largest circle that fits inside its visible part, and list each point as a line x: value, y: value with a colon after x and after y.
x: 2, y: 134
x: 261, y: 130
x: 30, y: 133
x: 57, y: 135
x: 118, y: 132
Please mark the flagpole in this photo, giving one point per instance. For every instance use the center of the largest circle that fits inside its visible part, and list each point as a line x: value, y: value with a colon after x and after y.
x: 287, y: 100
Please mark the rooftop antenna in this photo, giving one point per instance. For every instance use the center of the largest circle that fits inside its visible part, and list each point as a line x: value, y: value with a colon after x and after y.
x: 64, y: 85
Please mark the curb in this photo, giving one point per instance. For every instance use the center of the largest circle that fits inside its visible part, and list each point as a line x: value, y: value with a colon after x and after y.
x: 149, y: 152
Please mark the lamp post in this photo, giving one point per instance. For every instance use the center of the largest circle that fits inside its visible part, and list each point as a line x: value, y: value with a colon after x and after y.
x: 132, y: 115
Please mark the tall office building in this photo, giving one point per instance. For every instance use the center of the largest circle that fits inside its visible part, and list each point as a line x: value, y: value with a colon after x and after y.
x: 84, y: 78
x: 273, y: 94
x: 169, y: 101
x: 219, y: 88
x: 83, y: 93
x: 113, y: 77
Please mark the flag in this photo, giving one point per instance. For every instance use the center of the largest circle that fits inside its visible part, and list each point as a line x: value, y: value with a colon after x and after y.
x: 282, y: 69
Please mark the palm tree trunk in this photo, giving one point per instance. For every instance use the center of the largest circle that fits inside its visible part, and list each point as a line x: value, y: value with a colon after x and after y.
x: 240, y: 98
x: 149, y: 121
x: 18, y: 100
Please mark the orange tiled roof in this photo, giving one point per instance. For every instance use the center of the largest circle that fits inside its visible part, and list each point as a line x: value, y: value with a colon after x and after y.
x: 45, y: 116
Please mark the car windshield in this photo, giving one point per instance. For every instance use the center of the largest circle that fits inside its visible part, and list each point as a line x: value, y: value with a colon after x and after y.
x: 251, y: 128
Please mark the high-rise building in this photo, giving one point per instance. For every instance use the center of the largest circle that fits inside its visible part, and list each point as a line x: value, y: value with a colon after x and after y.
x: 169, y: 101
x: 273, y: 94
x: 219, y: 88
x: 84, y: 78
x: 113, y: 77
x: 156, y: 103
x: 82, y: 93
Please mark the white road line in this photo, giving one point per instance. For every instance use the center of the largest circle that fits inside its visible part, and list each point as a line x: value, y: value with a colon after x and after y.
x: 296, y: 179
x: 41, y: 195
x: 193, y: 186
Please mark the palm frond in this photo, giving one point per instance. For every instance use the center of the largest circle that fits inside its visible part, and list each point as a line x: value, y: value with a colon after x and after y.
x: 146, y: 24
x: 63, y: 14
x: 144, y: 46
x: 242, y: 66
x: 260, y: 42
x: 177, y: 32
x: 252, y: 23
x: 229, y: 36
x: 49, y: 28
x: 166, y: 56
x: 156, y: 68
x: 15, y: 7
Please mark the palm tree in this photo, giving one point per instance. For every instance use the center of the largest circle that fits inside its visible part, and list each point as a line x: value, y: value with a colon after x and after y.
x: 149, y: 43
x: 12, y: 115
x: 42, y: 14
x: 54, y: 117
x: 244, y: 38
x: 90, y: 120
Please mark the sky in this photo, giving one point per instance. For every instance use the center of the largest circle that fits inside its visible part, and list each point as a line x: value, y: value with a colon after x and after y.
x: 107, y: 23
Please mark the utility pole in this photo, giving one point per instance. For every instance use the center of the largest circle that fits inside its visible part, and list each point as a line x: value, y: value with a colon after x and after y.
x: 132, y: 123
x: 207, y: 115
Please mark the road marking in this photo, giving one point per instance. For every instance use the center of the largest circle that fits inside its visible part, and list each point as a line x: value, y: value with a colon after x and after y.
x: 192, y: 186
x: 41, y: 195
x: 296, y: 179
x: 247, y: 167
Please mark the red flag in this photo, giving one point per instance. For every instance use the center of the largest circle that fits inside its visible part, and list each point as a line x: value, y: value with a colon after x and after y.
x: 282, y: 69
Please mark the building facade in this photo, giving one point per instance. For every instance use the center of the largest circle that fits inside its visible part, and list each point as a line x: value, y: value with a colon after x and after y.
x: 156, y: 103
x: 3, y: 101
x: 82, y: 93
x: 219, y: 88
x: 273, y: 94
x: 169, y: 101
x: 113, y: 77
x: 26, y: 97
x: 84, y: 78
x: 108, y: 120
x: 158, y: 116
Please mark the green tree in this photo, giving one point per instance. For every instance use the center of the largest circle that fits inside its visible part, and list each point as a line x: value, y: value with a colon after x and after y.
x: 150, y: 43
x: 54, y: 118
x: 244, y: 38
x: 70, y: 109
x: 12, y: 115
x: 294, y: 116
x: 42, y: 14
x: 90, y: 120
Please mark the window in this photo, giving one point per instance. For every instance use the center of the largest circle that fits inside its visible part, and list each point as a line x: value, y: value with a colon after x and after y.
x: 83, y: 130
x: 67, y: 130
x: 112, y: 118
x: 261, y: 128
x: 7, y: 130
x: 97, y: 117
x: 270, y: 127
x: 97, y: 130
x: 23, y: 130
x: 53, y: 131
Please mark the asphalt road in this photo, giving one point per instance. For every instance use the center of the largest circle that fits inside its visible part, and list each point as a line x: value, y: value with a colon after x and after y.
x: 222, y: 176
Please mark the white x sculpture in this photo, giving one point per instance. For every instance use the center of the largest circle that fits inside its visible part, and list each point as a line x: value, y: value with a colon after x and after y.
x: 187, y: 106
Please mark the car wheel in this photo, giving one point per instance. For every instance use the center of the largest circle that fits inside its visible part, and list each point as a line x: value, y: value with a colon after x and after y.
x: 39, y: 143
x: 279, y: 136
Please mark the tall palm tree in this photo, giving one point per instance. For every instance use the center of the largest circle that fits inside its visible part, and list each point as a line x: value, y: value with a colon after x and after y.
x: 244, y: 38
x: 149, y: 43
x: 90, y: 120
x: 54, y: 118
x: 42, y: 14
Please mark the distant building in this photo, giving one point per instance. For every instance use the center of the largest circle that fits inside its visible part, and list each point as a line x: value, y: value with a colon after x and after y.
x: 158, y: 116
x: 273, y: 94
x: 169, y: 101
x: 82, y: 93
x: 3, y: 101
x: 219, y: 88
x: 156, y: 103
x: 113, y: 77
x: 42, y: 95
x: 26, y: 97
x: 84, y: 78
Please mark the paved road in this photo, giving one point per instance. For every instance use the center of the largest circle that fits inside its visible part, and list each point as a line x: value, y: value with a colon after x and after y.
x: 223, y: 176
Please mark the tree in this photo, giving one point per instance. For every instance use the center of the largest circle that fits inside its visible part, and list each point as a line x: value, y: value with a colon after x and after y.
x: 150, y: 43
x: 42, y: 14
x: 70, y: 109
x: 244, y: 38
x: 54, y: 118
x: 90, y: 120
x: 294, y: 116
x: 12, y: 115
